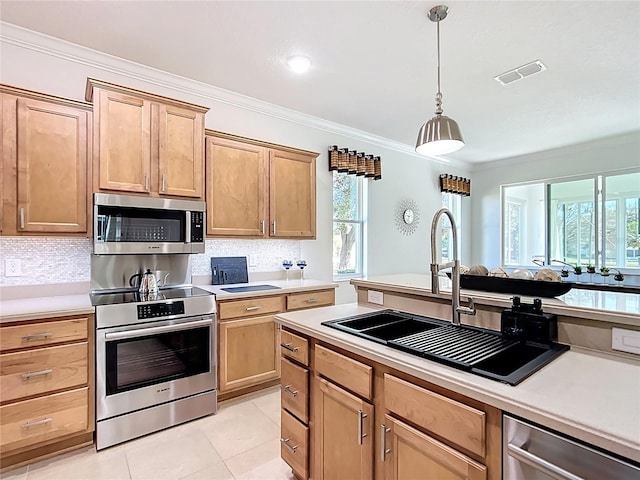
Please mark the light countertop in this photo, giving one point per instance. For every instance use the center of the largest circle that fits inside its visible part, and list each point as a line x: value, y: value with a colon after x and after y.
x: 41, y: 307
x: 588, y: 304
x: 285, y: 286
x: 54, y: 303
x: 585, y: 394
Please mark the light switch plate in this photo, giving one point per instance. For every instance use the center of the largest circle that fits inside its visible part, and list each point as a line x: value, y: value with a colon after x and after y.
x: 253, y: 260
x: 625, y: 340
x: 375, y: 297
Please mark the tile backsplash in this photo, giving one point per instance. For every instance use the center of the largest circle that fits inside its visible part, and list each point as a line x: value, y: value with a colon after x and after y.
x: 66, y: 260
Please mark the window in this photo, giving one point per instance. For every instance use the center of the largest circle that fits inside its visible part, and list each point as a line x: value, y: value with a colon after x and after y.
x: 452, y: 202
x: 349, y: 225
x: 591, y: 220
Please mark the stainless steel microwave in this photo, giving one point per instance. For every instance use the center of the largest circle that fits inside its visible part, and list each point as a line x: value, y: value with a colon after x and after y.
x: 124, y: 224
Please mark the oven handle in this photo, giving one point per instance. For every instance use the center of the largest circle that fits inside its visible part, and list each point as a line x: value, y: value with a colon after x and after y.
x: 145, y: 332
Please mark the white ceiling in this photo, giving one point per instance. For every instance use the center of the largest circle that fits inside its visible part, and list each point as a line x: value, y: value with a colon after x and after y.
x: 374, y: 62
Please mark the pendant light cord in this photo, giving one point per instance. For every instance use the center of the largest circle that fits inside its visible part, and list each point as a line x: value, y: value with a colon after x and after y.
x: 439, y: 94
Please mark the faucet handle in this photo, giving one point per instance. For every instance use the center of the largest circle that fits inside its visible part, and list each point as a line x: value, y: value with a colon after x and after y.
x: 470, y: 309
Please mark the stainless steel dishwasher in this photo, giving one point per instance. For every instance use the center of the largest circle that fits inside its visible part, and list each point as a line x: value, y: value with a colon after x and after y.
x: 531, y: 453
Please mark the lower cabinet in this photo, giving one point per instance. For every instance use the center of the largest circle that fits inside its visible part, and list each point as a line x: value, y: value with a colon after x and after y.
x: 409, y: 453
x: 344, y: 434
x: 250, y: 343
x: 46, y: 388
x: 249, y: 353
x: 367, y: 420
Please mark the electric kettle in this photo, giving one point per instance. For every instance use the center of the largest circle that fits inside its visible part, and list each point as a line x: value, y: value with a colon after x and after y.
x: 148, y: 282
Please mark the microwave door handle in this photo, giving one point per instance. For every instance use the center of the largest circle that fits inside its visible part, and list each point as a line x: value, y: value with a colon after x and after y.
x: 146, y: 332
x: 187, y: 234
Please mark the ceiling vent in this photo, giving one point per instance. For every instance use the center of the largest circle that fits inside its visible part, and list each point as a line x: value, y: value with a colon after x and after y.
x: 520, y: 72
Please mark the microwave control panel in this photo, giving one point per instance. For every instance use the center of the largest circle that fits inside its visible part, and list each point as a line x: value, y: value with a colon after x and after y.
x: 153, y: 310
x: 197, y: 226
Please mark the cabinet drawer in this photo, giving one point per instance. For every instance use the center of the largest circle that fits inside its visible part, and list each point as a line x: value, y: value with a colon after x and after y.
x: 345, y: 371
x: 297, y: 301
x: 32, y: 421
x: 294, y: 382
x: 249, y: 307
x: 42, y: 370
x: 45, y: 333
x: 294, y: 443
x: 294, y: 346
x: 446, y: 418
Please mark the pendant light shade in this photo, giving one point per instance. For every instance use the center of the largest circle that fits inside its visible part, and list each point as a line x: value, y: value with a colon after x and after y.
x: 441, y: 134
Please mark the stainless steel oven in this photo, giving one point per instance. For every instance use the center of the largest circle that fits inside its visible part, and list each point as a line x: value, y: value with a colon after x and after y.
x: 155, y: 361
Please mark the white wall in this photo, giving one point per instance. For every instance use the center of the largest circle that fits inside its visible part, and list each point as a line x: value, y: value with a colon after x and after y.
x: 43, y: 64
x: 612, y: 153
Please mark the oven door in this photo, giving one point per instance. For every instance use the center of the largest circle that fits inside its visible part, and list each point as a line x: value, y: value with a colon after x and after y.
x: 139, y: 366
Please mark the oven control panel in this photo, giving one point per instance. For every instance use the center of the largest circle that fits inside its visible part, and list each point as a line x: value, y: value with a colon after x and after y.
x: 153, y: 310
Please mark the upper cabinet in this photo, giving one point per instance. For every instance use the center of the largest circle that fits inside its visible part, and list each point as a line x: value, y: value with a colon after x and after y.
x: 260, y: 190
x: 145, y: 143
x: 45, y: 166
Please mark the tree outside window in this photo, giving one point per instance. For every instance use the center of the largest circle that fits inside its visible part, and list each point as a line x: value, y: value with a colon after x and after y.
x: 348, y: 225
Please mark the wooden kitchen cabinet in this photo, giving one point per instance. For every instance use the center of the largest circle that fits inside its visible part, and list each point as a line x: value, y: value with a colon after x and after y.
x: 411, y: 454
x: 45, y: 164
x: 248, y: 352
x: 366, y: 420
x: 260, y: 190
x: 250, y: 342
x: 46, y: 387
x: 343, y: 433
x: 145, y: 143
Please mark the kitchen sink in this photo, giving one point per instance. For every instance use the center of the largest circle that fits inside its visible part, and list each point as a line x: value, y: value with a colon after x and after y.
x: 483, y: 352
x: 384, y: 326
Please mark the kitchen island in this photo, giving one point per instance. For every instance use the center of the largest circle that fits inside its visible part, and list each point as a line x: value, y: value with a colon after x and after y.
x: 591, y: 392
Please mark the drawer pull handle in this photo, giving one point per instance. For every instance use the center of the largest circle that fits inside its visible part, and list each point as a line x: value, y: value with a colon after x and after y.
x: 312, y: 300
x: 251, y: 309
x: 287, y: 388
x: 37, y: 423
x: 285, y: 442
x: 383, y: 442
x: 36, y: 336
x: 262, y: 226
x: 289, y: 347
x: 28, y: 375
x: 361, y: 434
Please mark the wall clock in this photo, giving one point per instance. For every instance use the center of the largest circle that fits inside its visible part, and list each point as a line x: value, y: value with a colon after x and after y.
x: 407, y: 216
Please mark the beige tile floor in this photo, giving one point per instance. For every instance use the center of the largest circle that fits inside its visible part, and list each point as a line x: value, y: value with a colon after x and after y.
x: 240, y: 442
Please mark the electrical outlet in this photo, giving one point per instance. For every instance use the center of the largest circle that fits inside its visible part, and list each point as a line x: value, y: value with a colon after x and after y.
x: 12, y: 268
x: 375, y: 297
x: 253, y: 260
x: 625, y: 340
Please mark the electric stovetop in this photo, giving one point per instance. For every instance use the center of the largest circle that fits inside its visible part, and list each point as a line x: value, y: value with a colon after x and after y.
x: 112, y: 298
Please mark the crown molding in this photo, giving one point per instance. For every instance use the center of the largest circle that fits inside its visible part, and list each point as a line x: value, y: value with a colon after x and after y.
x: 41, y: 43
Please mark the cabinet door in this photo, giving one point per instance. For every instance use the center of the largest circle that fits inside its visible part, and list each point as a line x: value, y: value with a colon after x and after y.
x: 236, y: 188
x: 52, y: 167
x: 180, y: 152
x: 292, y: 195
x: 343, y: 433
x: 123, y: 147
x: 249, y: 352
x: 411, y: 454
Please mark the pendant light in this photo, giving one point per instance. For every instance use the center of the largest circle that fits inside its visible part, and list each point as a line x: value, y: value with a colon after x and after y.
x: 441, y: 134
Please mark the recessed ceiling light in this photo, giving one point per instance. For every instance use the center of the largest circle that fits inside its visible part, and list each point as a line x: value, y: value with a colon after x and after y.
x: 299, y: 64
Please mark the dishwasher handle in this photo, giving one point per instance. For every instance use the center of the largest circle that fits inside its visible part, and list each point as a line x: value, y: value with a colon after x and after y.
x: 541, y: 464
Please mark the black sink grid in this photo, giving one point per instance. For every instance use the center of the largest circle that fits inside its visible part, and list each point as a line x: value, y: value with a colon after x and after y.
x: 482, y: 352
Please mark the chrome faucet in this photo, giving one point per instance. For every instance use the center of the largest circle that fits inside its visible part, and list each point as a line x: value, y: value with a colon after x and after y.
x: 456, y: 309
